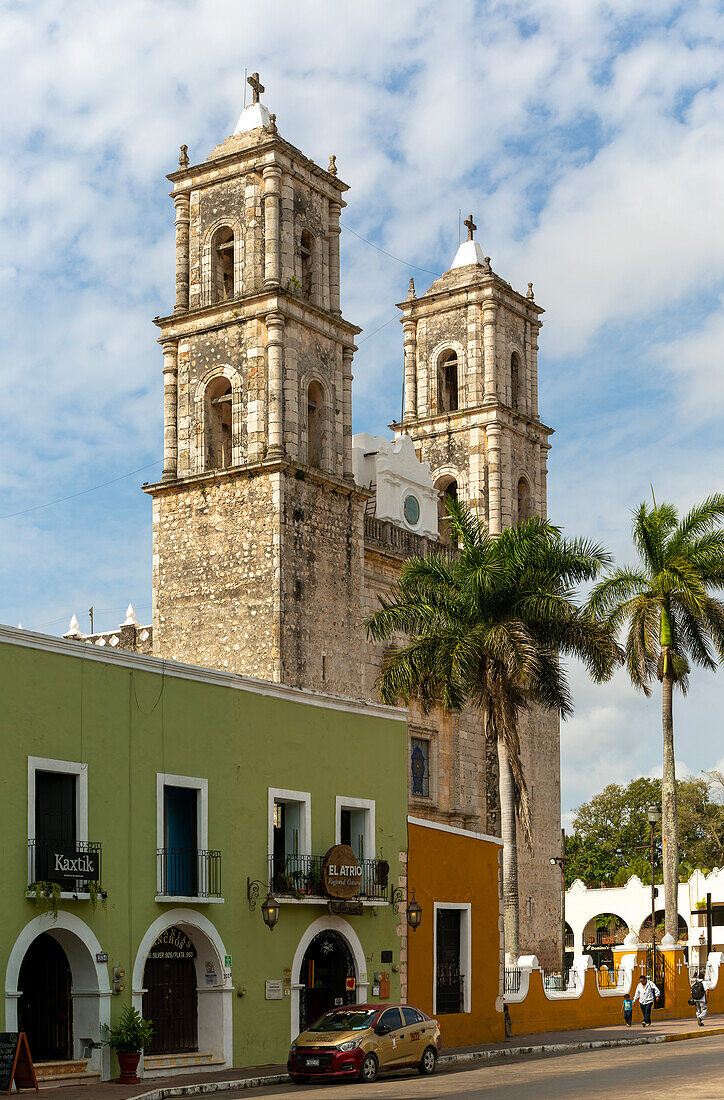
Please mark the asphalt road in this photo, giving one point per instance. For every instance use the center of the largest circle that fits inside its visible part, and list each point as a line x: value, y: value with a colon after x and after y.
x: 694, y: 1068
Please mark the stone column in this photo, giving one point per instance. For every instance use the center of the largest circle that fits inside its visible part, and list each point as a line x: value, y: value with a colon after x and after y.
x: 272, y: 229
x: 170, y: 414
x: 347, y: 471
x: 474, y: 388
x: 490, y: 310
x: 409, y: 329
x: 334, y: 212
x: 543, y: 473
x: 275, y: 375
x: 534, y: 330
x: 182, y: 252
x: 492, y: 434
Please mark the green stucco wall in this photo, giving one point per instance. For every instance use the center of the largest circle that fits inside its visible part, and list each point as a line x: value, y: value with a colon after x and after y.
x: 130, y: 723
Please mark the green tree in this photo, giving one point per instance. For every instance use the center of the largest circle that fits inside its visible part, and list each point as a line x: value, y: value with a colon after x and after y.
x: 671, y: 618
x: 607, y: 830
x: 486, y: 630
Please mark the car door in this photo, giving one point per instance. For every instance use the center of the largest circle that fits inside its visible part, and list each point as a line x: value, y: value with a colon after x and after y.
x: 413, y: 1037
x: 389, y: 1050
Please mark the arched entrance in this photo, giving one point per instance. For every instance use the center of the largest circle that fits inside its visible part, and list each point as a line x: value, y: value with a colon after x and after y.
x: 170, y: 999
x: 45, y: 1007
x: 327, y: 976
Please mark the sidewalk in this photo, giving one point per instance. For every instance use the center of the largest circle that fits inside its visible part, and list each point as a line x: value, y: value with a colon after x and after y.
x: 547, y: 1043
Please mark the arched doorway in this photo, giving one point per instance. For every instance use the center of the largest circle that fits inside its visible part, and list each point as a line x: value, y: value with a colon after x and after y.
x: 170, y: 999
x: 45, y: 1009
x: 325, y: 976
x: 447, y: 486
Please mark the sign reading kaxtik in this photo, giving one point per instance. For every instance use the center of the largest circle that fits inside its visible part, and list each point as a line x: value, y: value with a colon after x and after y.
x: 74, y: 865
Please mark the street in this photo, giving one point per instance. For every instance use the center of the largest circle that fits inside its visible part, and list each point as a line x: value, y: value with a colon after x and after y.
x: 692, y: 1068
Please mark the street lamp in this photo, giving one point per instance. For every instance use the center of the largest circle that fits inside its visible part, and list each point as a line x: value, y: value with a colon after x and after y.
x: 561, y: 862
x: 414, y: 913
x: 270, y: 911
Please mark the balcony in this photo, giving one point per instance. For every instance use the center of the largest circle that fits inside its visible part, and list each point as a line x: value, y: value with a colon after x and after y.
x: 186, y: 873
x: 302, y: 877
x: 74, y: 867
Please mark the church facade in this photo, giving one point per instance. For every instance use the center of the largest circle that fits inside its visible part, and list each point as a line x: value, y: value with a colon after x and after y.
x: 269, y: 544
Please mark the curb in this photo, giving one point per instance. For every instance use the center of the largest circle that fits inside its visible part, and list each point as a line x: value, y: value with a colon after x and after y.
x: 444, y: 1060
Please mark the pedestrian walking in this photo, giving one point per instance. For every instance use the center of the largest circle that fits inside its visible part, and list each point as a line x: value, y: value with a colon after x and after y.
x: 698, y: 997
x: 646, y: 994
x: 627, y: 1009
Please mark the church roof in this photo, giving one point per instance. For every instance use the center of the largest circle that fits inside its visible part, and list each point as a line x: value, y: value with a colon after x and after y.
x: 253, y: 117
x: 468, y: 253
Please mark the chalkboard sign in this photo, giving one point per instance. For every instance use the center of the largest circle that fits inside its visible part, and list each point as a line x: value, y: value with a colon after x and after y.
x: 16, y: 1065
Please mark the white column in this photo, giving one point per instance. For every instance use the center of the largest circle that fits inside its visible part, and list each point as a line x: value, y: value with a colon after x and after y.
x: 490, y: 310
x: 170, y: 414
x: 272, y: 235
x: 474, y: 379
x: 275, y: 375
x: 182, y: 252
x: 334, y: 281
x: 409, y: 329
x: 492, y: 434
x: 534, y: 330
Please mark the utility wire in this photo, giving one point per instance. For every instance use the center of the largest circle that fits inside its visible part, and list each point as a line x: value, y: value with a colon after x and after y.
x: 72, y: 496
x: 375, y: 331
x: 384, y: 253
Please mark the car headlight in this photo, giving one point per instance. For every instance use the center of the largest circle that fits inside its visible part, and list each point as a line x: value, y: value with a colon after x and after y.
x: 351, y: 1044
x: 294, y: 1047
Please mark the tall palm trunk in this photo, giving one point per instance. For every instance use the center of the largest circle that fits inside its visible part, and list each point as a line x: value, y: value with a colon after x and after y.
x: 511, y: 913
x: 670, y: 819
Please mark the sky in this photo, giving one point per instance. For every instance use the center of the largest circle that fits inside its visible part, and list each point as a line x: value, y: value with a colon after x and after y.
x: 586, y: 137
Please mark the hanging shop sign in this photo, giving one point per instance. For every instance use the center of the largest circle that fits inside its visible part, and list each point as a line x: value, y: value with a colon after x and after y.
x: 342, y: 872
x: 16, y: 1065
x: 173, y: 944
x: 70, y: 864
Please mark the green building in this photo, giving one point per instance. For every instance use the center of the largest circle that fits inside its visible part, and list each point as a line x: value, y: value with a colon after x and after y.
x: 176, y: 798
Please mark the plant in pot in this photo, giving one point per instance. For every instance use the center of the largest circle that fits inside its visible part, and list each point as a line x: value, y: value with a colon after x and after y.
x: 128, y: 1038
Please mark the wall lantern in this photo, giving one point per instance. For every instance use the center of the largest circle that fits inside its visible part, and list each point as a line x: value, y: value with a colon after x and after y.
x: 270, y: 911
x: 414, y: 913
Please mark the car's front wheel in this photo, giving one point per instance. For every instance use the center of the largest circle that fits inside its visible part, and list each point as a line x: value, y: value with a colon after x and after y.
x: 427, y: 1062
x: 297, y: 1080
x: 368, y: 1069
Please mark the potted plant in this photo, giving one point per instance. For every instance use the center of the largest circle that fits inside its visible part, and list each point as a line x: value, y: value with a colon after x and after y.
x: 128, y: 1038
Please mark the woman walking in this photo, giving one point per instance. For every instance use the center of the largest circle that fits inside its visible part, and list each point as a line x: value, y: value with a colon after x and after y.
x: 646, y: 994
x: 698, y: 997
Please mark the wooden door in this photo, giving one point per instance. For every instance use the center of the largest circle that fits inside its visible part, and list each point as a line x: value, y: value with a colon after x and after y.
x: 45, y: 1011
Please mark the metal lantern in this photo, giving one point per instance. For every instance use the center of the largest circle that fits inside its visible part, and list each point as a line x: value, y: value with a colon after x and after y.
x: 270, y: 911
x: 414, y: 913
x: 654, y: 815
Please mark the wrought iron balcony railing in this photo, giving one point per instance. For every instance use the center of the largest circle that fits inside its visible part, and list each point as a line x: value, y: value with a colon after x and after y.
x: 186, y: 873
x: 72, y: 866
x: 302, y: 876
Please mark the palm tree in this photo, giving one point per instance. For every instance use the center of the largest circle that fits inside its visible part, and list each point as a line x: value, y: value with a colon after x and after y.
x: 486, y: 630
x: 671, y: 619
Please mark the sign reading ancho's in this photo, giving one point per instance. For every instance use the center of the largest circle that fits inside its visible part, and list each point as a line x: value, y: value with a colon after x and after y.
x: 342, y: 872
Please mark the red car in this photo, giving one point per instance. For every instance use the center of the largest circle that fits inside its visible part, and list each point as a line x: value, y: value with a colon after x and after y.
x: 358, y: 1041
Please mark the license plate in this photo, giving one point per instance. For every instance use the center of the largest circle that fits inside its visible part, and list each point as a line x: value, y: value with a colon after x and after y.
x: 312, y: 1061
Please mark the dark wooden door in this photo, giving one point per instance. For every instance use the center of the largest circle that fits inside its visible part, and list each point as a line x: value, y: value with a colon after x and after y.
x: 45, y: 1010
x: 449, y: 980
x: 170, y: 1003
x: 326, y: 966
x: 55, y: 819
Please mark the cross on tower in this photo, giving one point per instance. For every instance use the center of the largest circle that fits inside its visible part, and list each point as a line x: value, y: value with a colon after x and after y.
x: 471, y: 226
x: 256, y: 86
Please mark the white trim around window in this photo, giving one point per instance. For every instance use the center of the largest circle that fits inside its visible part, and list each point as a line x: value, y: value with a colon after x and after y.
x: 464, y: 908
x: 304, y: 798
x: 368, y: 804
x: 165, y: 779
x: 65, y: 767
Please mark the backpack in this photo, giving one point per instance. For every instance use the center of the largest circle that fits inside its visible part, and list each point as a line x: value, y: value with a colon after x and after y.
x: 697, y: 991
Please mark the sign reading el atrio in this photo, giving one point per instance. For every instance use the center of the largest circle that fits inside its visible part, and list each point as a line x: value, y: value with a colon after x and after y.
x: 342, y: 872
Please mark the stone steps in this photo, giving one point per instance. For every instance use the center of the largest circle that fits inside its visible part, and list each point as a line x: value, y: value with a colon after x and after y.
x: 156, y: 1065
x: 53, y: 1075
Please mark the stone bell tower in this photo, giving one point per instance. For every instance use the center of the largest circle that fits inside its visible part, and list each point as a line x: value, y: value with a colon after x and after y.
x: 471, y: 409
x: 257, y: 524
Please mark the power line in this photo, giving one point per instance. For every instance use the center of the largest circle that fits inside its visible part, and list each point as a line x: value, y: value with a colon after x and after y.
x: 375, y: 331
x: 384, y: 253
x: 83, y: 492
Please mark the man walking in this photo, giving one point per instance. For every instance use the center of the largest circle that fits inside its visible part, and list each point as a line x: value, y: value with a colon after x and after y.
x: 698, y: 997
x: 646, y: 994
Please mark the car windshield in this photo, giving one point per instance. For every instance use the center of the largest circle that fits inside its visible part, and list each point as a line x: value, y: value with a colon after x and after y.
x: 352, y: 1020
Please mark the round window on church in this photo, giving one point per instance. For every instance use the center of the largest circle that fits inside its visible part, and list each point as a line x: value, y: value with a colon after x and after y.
x: 412, y: 510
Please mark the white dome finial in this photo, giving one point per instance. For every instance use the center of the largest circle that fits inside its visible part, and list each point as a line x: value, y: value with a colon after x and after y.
x: 74, y: 630
x: 130, y: 619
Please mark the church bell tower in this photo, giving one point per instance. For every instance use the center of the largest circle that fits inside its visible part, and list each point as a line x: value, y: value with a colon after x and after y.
x: 257, y: 524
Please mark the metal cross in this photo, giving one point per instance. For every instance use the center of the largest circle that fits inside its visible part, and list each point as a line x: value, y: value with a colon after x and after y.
x: 471, y: 226
x: 256, y: 86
